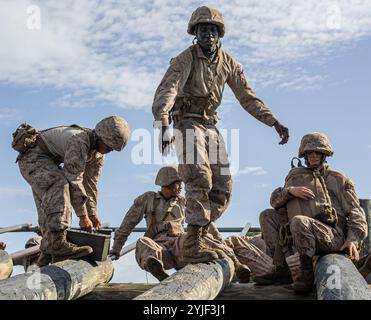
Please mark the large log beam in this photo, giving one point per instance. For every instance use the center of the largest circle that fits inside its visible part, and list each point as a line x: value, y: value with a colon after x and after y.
x: 337, y: 278
x: 66, y: 280
x: 6, y: 265
x: 202, y: 281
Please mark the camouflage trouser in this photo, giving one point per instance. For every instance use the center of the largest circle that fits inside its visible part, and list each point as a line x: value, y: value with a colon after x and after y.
x: 270, y: 222
x: 51, y: 193
x: 248, y: 254
x: 313, y: 237
x: 204, y: 168
x: 169, y: 252
x: 166, y: 252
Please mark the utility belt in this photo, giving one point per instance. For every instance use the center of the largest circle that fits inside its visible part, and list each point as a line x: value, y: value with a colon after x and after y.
x: 199, y: 109
x: 170, y: 229
x: 41, y: 144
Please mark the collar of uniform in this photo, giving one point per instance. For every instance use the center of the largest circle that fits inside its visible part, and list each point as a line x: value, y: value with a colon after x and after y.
x: 160, y: 196
x: 219, y: 58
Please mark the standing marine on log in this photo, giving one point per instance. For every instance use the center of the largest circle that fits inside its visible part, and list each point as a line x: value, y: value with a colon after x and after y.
x: 316, y: 212
x: 189, y: 94
x: 56, y: 188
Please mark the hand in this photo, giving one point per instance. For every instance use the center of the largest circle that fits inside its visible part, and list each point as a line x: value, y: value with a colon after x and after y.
x: 302, y: 193
x: 96, y: 222
x: 115, y: 255
x: 351, y: 249
x: 2, y: 246
x: 166, y: 139
x: 283, y: 132
x: 86, y: 224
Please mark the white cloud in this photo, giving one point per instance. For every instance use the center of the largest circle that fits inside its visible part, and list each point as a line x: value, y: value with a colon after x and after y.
x: 254, y: 171
x: 148, y: 178
x: 262, y: 186
x: 8, y: 192
x: 115, y: 52
x: 6, y: 113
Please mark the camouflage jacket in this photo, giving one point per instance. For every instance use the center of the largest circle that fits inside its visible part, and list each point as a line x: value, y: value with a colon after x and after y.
x: 164, y: 218
x: 191, y: 74
x: 82, y: 165
x: 344, y: 199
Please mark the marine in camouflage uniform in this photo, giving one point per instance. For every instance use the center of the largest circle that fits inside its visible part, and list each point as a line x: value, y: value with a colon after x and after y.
x: 161, y: 247
x: 163, y: 211
x: 56, y: 189
x: 310, y: 236
x: 191, y: 91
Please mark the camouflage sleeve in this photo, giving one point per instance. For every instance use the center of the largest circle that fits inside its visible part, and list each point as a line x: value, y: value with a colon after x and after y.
x: 131, y: 220
x: 74, y: 166
x: 356, y: 218
x: 174, y: 79
x: 280, y: 197
x: 247, y: 97
x: 91, y: 176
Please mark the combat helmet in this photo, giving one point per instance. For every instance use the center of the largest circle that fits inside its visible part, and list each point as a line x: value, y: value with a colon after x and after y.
x: 206, y: 15
x: 315, y: 141
x: 114, y: 131
x: 166, y: 176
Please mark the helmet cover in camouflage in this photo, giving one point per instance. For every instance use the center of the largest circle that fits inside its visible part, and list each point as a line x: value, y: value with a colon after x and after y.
x: 166, y: 176
x: 206, y: 15
x: 317, y: 142
x: 35, y: 241
x: 114, y: 131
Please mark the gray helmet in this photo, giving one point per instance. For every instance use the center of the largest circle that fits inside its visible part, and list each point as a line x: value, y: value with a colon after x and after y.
x: 315, y: 141
x: 35, y: 241
x: 206, y: 15
x: 114, y: 131
x: 166, y: 176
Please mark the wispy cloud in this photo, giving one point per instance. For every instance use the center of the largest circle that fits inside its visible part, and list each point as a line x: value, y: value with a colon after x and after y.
x: 254, y: 171
x: 6, y: 113
x: 10, y: 192
x: 115, y: 52
x: 262, y: 186
x: 146, y: 178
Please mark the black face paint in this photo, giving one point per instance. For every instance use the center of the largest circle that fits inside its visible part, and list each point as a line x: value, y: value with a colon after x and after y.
x: 207, y: 35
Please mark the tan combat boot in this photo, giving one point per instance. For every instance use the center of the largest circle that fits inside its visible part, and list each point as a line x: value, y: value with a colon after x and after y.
x: 194, y: 248
x: 63, y: 250
x: 156, y: 269
x: 279, y: 275
x: 43, y: 260
x: 243, y: 272
x: 305, y: 282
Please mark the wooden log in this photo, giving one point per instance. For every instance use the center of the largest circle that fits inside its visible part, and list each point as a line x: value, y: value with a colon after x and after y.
x: 118, y: 291
x: 18, y: 256
x: 366, y: 205
x: 337, y: 278
x: 66, y: 280
x: 6, y: 265
x: 202, y: 281
x: 236, y: 291
x: 16, y: 228
x: 250, y: 291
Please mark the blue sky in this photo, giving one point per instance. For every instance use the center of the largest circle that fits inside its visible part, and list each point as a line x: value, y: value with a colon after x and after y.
x: 308, y: 61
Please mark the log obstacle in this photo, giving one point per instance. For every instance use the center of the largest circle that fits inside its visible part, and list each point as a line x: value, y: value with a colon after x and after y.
x: 65, y: 280
x: 6, y: 265
x: 337, y: 278
x: 201, y: 281
x: 366, y: 205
